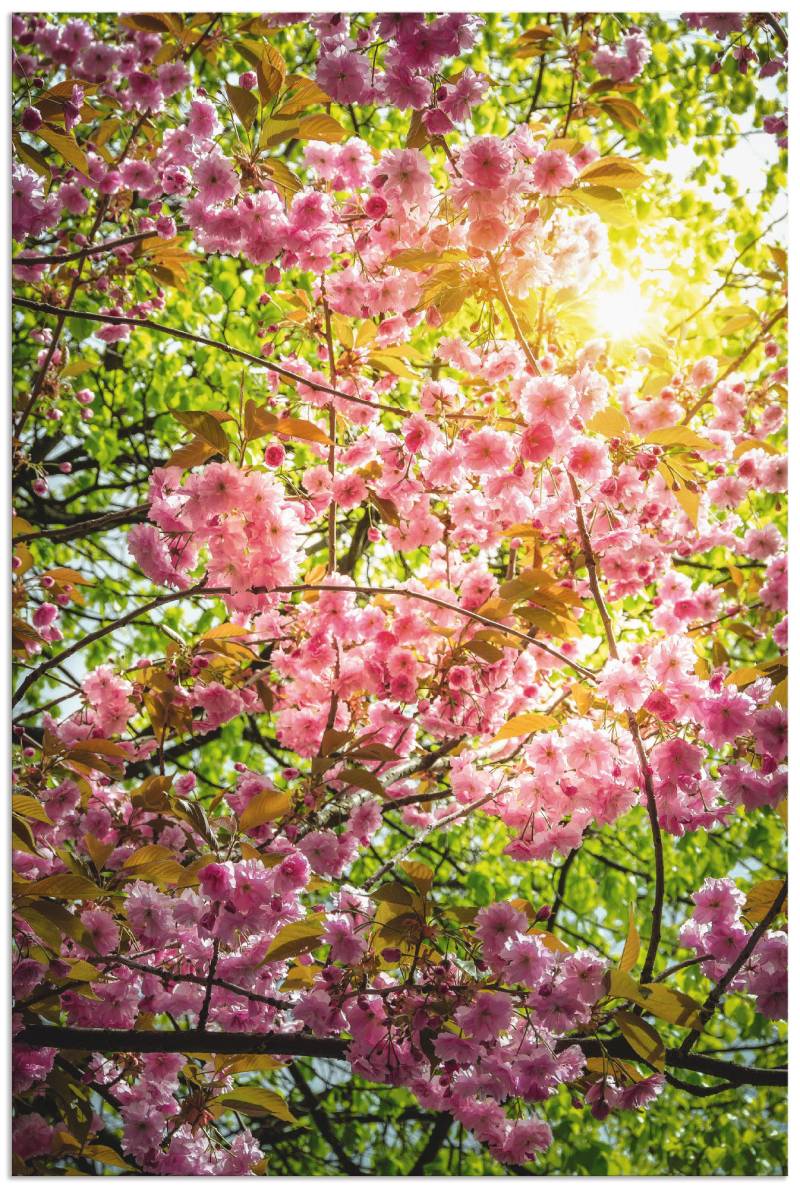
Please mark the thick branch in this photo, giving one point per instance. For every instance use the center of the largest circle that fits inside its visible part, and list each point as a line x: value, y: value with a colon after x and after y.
x: 108, y: 245
x: 85, y: 1039
x: 436, y: 1138
x: 126, y: 515
x: 735, y: 1074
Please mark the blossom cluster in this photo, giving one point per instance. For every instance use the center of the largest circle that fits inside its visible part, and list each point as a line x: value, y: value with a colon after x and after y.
x: 717, y: 933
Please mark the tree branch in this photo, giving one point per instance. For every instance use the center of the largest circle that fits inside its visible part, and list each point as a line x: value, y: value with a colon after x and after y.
x: 436, y: 1138
x: 200, y: 591
x: 633, y: 728
x: 86, y: 1039
x: 201, y: 340
x: 698, y: 404
x: 712, y: 1001
x: 323, y: 1125
x: 126, y: 515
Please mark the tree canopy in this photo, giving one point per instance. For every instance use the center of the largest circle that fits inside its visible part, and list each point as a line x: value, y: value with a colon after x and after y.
x: 399, y: 594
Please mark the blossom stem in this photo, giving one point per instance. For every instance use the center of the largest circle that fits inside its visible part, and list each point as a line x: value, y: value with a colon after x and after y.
x: 505, y: 301
x: 633, y: 728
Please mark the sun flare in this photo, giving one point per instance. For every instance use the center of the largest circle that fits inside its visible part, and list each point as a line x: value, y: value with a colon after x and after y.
x: 622, y: 311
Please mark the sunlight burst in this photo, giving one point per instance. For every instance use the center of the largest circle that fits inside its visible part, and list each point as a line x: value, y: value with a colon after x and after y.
x: 622, y: 311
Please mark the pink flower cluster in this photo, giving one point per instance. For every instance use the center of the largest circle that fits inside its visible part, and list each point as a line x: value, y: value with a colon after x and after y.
x: 717, y: 933
x: 242, y: 520
x: 626, y: 62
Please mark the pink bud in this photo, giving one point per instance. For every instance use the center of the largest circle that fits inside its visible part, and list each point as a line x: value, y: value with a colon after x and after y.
x: 31, y: 119
x: 274, y: 454
x: 376, y: 206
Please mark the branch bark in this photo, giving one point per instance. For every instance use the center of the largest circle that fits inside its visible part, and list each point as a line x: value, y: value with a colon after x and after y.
x: 84, y: 1039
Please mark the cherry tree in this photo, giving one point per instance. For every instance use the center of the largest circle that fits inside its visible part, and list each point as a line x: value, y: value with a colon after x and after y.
x: 399, y: 589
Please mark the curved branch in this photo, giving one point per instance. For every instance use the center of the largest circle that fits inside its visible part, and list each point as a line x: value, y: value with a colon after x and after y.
x: 765, y: 329
x: 736, y: 1074
x: 323, y: 1125
x: 54, y: 661
x: 201, y: 340
x: 436, y: 1139
x: 126, y: 515
x: 633, y: 728
x: 201, y: 590
x: 108, y: 245
x: 86, y: 1039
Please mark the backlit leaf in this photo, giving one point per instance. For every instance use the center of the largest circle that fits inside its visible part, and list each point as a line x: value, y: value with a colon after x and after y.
x: 643, y: 1038
x: 524, y: 724
x: 297, y: 938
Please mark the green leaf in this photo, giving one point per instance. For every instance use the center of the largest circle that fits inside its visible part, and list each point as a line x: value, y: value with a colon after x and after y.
x: 66, y: 146
x: 270, y: 72
x: 610, y: 422
x: 760, y: 899
x: 206, y: 427
x: 303, y: 93
x: 243, y: 102
x: 359, y: 777
x: 678, y: 435
x: 321, y: 127
x: 623, y: 111
x: 60, y: 886
x: 107, y: 1156
x: 659, y: 1000
x: 421, y: 875
x: 301, y: 429
x: 618, y: 172
x: 265, y: 806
